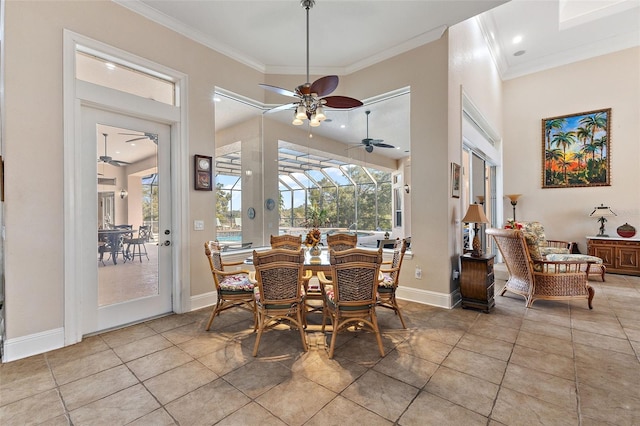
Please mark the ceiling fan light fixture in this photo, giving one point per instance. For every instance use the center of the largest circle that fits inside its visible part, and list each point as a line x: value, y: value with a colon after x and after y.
x: 314, y: 121
x: 296, y: 121
x: 301, y: 113
x: 320, y: 114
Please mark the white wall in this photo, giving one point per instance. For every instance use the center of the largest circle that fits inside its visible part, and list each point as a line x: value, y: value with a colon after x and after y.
x: 611, y: 81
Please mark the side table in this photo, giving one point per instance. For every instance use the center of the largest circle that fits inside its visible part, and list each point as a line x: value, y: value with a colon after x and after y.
x: 477, y: 282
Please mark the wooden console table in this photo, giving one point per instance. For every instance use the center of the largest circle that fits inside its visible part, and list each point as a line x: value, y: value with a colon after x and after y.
x: 619, y: 255
x: 477, y: 281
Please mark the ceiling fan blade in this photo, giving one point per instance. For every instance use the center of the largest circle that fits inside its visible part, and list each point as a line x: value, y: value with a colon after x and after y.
x: 118, y: 163
x: 281, y: 108
x: 325, y: 85
x: 382, y: 145
x: 341, y: 102
x: 279, y: 90
x: 137, y: 139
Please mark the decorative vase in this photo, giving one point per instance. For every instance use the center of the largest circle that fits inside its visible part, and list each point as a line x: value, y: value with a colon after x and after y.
x: 315, y: 250
x: 626, y: 230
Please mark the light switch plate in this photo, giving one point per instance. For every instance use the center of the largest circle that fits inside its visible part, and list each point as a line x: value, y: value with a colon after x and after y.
x: 198, y: 225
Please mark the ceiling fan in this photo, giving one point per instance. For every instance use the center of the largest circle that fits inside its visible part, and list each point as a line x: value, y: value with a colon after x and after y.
x: 369, y: 143
x: 109, y: 160
x: 313, y: 96
x: 141, y: 136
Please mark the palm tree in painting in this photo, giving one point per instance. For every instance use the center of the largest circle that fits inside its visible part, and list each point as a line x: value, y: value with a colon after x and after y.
x: 579, y: 156
x: 551, y: 157
x: 549, y: 126
x: 593, y: 123
x: 601, y: 144
x: 564, y: 140
x: 583, y: 134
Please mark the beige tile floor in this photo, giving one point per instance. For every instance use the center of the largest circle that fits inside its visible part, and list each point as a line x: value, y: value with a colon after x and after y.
x: 556, y: 363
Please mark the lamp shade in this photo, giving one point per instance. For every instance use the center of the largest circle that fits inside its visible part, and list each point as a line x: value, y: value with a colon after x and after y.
x: 602, y: 211
x: 513, y: 197
x: 475, y: 214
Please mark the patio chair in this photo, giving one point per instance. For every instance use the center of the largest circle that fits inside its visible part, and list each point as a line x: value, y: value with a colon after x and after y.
x: 234, y: 288
x: 138, y: 243
x: 351, y: 294
x: 390, y: 277
x: 537, y: 278
x: 279, y: 296
x: 339, y: 242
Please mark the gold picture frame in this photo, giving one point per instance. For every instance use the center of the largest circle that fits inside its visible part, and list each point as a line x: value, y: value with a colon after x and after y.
x: 576, y: 150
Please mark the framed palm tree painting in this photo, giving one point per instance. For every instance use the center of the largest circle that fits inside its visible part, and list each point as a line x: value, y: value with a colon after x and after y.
x: 576, y: 150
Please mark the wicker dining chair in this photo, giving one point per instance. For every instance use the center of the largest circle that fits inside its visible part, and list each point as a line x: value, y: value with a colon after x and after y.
x: 339, y: 242
x: 536, y: 279
x: 351, y: 294
x: 234, y: 288
x: 286, y: 241
x: 390, y: 276
x: 279, y: 297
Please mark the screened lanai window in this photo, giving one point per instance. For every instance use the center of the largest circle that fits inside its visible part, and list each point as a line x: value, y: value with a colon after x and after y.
x: 353, y: 197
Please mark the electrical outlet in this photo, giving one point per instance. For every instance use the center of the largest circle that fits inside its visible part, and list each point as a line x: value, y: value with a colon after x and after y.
x: 198, y: 225
x: 456, y: 274
x: 418, y: 273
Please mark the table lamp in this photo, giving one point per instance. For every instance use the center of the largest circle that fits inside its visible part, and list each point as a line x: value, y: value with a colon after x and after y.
x: 602, y: 212
x: 514, y: 201
x: 475, y: 215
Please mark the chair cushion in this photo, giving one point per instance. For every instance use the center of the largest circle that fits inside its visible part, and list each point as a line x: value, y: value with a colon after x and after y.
x: 328, y: 291
x: 386, y: 281
x: 553, y: 250
x: 533, y: 245
x: 239, y: 282
x: 582, y: 257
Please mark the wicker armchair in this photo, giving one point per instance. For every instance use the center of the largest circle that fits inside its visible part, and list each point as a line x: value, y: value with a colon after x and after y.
x: 289, y: 242
x: 389, y: 282
x: 235, y: 290
x: 339, y: 242
x: 351, y: 295
x: 540, y: 279
x: 279, y: 275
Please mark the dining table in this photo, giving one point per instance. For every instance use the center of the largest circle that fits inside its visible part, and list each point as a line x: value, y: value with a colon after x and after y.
x: 112, y: 238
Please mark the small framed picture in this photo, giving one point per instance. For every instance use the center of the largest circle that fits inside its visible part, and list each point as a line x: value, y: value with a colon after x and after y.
x: 455, y: 180
x: 202, y: 166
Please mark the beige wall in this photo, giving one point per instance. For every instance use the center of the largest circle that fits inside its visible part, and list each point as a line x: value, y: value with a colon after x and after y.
x: 471, y: 69
x: 611, y: 81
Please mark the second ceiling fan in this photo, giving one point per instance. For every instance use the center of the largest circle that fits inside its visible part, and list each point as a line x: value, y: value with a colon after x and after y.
x: 370, y: 143
x: 313, y: 97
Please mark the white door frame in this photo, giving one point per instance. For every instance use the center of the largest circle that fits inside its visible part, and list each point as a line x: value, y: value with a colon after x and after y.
x: 77, y: 93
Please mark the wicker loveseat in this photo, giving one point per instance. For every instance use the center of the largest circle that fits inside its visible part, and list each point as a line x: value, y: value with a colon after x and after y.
x: 540, y: 279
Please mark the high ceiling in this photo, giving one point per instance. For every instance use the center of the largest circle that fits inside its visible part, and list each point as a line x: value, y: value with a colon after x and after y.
x: 346, y: 36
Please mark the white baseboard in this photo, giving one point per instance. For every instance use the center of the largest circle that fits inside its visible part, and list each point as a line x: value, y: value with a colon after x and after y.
x: 33, y: 344
x: 426, y: 297
x: 203, y: 300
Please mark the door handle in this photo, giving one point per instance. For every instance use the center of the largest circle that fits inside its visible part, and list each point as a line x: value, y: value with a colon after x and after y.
x: 166, y: 243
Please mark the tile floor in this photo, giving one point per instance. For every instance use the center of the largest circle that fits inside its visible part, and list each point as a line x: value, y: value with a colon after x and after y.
x: 556, y: 363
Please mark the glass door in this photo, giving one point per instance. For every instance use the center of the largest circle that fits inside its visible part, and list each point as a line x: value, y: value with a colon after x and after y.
x: 131, y: 226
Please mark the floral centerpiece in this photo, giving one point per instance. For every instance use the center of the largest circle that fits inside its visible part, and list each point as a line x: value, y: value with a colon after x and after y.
x: 512, y: 224
x: 317, y: 218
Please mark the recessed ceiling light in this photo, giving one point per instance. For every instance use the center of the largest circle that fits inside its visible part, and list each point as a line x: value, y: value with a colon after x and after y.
x: 520, y: 53
x: 110, y: 66
x: 517, y: 39
x: 343, y: 126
